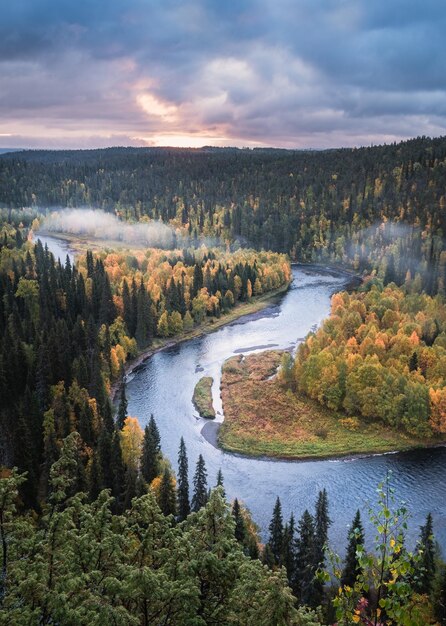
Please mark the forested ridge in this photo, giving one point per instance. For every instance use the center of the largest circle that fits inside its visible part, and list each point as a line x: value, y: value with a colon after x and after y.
x: 367, y: 207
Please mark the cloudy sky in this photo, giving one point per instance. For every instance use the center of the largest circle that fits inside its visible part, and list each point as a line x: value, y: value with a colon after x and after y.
x: 289, y: 73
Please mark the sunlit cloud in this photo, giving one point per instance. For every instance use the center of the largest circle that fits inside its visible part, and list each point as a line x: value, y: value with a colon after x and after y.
x: 313, y: 73
x: 154, y: 107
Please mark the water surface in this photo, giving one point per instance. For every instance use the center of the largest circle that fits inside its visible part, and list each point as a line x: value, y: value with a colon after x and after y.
x: 164, y: 385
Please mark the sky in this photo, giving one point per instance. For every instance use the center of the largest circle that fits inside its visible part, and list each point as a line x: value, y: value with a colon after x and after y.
x: 247, y: 73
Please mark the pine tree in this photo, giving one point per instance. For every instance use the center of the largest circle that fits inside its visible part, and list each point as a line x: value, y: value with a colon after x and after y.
x: 167, y: 496
x: 122, y: 409
x: 355, y: 539
x: 426, y: 568
x: 183, y: 483
x: 200, y: 496
x: 276, y: 533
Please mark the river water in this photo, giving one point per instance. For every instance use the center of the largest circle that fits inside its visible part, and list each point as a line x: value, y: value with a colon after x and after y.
x: 164, y: 384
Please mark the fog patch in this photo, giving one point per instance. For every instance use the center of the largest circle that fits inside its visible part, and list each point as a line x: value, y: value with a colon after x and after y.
x: 98, y: 224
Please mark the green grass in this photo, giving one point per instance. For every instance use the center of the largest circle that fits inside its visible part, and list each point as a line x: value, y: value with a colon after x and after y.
x: 202, y: 397
x: 262, y: 418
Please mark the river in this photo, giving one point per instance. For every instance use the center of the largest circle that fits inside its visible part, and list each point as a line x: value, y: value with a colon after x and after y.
x: 163, y: 385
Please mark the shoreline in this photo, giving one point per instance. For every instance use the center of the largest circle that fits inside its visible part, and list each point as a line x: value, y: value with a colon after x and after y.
x: 262, y: 422
x: 246, y: 309
x: 212, y: 438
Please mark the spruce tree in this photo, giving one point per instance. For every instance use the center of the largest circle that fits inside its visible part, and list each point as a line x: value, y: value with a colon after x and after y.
x: 118, y: 474
x: 240, y: 527
x: 183, y: 483
x: 288, y: 557
x: 200, y: 496
x: 155, y: 433
x: 167, y: 496
x: 321, y: 525
x: 355, y: 540
x: 219, y: 482
x: 122, y: 409
x: 276, y: 533
x: 104, y: 458
x: 426, y: 567
x: 304, y: 569
x: 150, y: 455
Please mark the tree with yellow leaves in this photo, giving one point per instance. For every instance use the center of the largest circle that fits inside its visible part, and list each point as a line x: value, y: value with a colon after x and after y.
x: 131, y: 442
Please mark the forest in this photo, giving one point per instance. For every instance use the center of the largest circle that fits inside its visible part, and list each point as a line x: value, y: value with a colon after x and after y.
x: 66, y: 333
x: 370, y: 208
x: 381, y: 355
x: 95, y: 526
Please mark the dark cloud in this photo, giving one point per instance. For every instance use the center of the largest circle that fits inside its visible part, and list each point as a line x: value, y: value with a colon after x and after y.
x: 276, y: 72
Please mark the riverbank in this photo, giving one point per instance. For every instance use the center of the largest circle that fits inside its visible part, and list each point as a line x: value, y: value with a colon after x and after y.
x: 247, y: 310
x: 263, y: 418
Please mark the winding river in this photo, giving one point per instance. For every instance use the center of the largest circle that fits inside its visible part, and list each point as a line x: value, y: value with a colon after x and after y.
x: 163, y: 385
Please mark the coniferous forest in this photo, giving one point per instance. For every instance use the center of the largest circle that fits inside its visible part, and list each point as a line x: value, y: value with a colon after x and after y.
x: 368, y: 207
x: 95, y: 525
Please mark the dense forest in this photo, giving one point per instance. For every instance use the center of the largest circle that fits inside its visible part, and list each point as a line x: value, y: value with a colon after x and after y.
x: 373, y: 208
x: 381, y: 355
x: 95, y: 526
x: 67, y: 331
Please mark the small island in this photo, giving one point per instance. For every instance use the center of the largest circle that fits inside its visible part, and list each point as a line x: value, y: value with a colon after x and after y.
x: 202, y: 397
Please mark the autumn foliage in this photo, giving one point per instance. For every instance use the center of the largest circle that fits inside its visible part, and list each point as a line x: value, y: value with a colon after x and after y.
x: 382, y: 355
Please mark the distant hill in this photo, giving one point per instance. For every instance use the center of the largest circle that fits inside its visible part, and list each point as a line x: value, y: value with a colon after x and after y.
x: 368, y: 207
x: 5, y: 150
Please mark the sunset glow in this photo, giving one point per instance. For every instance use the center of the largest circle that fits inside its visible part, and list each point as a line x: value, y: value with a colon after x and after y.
x: 252, y: 72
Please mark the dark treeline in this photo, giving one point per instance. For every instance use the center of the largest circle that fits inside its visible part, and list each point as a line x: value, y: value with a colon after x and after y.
x: 334, y: 205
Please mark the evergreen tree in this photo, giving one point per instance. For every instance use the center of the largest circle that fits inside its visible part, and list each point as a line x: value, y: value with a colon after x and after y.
x: 288, y: 557
x: 183, y: 483
x: 118, y: 486
x: 104, y: 454
x: 355, y: 539
x: 321, y: 525
x: 219, y: 482
x: 240, y: 527
x: 95, y: 482
x: 122, y: 409
x: 276, y: 533
x: 155, y: 433
x: 167, y: 496
x: 200, y: 495
x: 150, y: 455
x: 426, y: 568
x: 304, y: 568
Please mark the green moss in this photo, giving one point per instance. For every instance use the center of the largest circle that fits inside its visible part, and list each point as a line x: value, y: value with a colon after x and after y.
x: 202, y: 397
